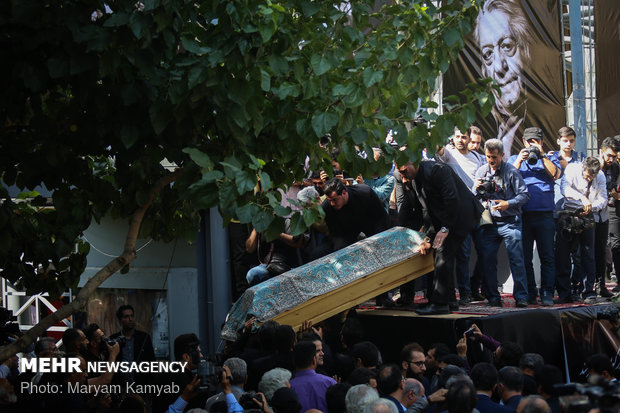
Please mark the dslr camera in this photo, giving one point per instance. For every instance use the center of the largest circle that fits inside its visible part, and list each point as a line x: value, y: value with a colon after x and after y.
x: 111, y: 341
x: 572, y: 223
x: 533, y: 155
x: 486, y: 188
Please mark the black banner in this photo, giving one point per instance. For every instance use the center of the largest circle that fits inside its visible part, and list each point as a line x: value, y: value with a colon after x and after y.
x: 607, y: 31
x: 517, y: 43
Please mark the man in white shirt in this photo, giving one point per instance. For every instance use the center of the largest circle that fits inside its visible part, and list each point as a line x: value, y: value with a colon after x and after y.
x: 583, y: 187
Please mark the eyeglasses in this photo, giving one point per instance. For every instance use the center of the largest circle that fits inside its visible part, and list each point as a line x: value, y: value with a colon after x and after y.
x: 417, y: 363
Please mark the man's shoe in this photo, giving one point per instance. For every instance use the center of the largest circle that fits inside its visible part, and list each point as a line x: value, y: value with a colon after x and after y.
x: 465, y: 299
x: 576, y: 298
x: 590, y: 300
x: 476, y: 296
x: 547, y: 301
x: 604, y: 292
x: 453, y: 305
x: 564, y: 300
x: 521, y: 303
x: 434, y: 309
x: 532, y: 300
x: 495, y: 303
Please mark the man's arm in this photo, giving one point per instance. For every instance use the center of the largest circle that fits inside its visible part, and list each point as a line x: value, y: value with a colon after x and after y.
x: 252, y: 242
x: 106, y: 378
x: 442, y: 180
x: 522, y: 195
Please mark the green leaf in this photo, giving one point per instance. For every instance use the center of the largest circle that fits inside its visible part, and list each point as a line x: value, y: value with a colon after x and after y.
x: 246, y: 181
x: 200, y: 158
x: 310, y: 216
x: 282, y: 211
x: 287, y: 89
x: 129, y: 135
x: 262, y: 219
x: 320, y: 64
x: 297, y: 226
x: 451, y: 36
x: 265, y: 80
x: 246, y: 213
x: 266, y: 31
x: 275, y: 229
x: 359, y: 135
x: 265, y: 180
x: 322, y: 122
x: 212, y: 176
x: 370, y: 77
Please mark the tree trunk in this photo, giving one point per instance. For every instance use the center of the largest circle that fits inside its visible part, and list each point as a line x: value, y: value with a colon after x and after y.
x: 80, y: 301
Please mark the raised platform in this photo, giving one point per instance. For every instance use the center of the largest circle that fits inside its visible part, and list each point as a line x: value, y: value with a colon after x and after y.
x: 565, y: 335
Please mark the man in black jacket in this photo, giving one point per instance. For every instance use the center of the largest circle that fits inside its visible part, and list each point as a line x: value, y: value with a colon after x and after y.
x: 449, y: 212
x: 351, y: 211
x: 136, y: 346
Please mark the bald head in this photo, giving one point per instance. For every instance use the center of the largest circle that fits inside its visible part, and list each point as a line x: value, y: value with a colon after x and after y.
x: 533, y: 404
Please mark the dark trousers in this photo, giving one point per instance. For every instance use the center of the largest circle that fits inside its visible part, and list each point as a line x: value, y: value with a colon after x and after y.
x: 584, y: 242
x: 614, y: 238
x: 539, y: 227
x: 601, y: 232
x: 444, y: 274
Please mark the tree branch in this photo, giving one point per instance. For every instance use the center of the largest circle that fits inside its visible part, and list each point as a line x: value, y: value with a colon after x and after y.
x: 128, y: 255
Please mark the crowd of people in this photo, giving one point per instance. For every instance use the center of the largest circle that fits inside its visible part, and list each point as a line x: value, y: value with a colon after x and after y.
x: 330, y: 367
x: 559, y: 203
x: 562, y: 201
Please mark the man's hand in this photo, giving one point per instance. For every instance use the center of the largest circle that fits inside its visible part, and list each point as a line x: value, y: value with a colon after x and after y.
x: 324, y: 177
x: 305, y: 326
x: 424, y: 247
x: 262, y: 402
x: 587, y: 207
x: 440, y: 238
x: 477, y: 331
x: 461, y: 347
x: 226, y: 377
x: 615, y: 195
x: 113, y: 350
x: 247, y: 326
x: 500, y: 205
x: 189, y: 392
x: 437, y: 397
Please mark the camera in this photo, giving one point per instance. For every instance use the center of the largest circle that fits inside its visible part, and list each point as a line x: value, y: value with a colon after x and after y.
x: 246, y: 400
x: 111, y: 341
x: 572, y: 223
x: 486, y: 188
x: 577, y: 397
x: 533, y: 155
x: 469, y: 332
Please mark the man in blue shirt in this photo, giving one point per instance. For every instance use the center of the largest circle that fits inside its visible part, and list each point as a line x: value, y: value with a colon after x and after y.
x: 504, y: 200
x: 539, y: 173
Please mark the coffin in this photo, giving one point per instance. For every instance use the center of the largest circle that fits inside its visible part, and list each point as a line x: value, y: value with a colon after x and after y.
x: 334, y: 283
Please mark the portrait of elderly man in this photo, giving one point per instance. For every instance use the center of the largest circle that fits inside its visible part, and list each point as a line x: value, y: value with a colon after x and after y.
x: 504, y: 40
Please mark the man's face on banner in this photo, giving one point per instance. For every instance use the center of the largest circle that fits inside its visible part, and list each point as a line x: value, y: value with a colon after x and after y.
x: 502, y: 58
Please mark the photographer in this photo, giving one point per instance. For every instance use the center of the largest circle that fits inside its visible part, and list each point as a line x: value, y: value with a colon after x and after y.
x: 585, y: 201
x: 502, y: 191
x: 539, y: 172
x: 608, y: 157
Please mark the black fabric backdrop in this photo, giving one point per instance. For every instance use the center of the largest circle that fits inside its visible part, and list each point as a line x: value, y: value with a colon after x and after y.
x: 607, y: 29
x: 542, y: 74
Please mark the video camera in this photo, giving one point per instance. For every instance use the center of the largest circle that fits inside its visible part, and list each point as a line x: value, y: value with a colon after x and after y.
x: 486, y: 188
x: 577, y: 397
x: 210, y: 375
x: 572, y: 223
